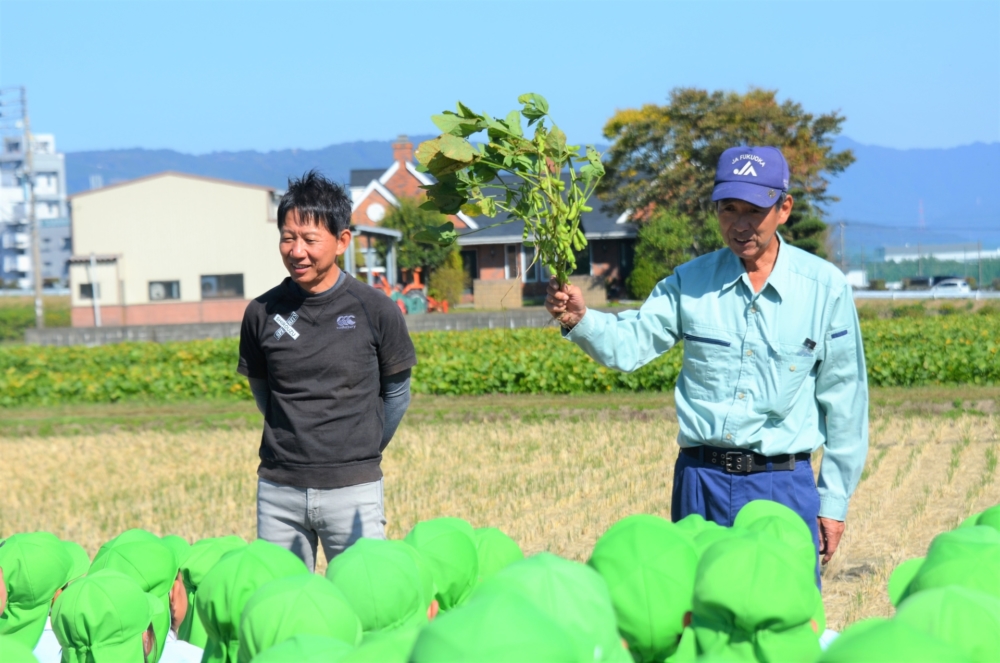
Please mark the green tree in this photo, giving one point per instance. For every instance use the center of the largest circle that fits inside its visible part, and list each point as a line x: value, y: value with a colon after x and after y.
x: 449, y: 279
x: 410, y: 219
x: 664, y: 242
x: 665, y: 156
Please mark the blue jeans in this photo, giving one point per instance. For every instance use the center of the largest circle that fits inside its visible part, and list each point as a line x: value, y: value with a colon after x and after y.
x: 300, y: 518
x: 718, y: 496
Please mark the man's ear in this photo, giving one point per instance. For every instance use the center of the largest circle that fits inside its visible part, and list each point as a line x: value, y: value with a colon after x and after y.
x: 786, y: 209
x: 344, y: 241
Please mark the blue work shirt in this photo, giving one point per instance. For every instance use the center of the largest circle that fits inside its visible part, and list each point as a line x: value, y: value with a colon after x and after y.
x: 750, y: 379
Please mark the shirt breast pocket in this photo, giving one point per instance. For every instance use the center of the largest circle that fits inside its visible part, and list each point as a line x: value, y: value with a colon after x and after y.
x: 790, y: 367
x: 706, y: 359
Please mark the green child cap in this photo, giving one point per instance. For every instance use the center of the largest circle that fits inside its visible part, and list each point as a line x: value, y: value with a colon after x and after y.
x: 385, y: 646
x: 573, y: 594
x: 101, y: 619
x: 648, y: 564
x: 964, y: 618
x: 888, y: 641
x: 148, y: 561
x: 35, y: 566
x: 382, y: 583
x: 504, y: 626
x: 758, y: 509
x: 225, y: 590
x: 901, y: 577
x: 967, y: 557
x: 988, y: 518
x: 13, y: 651
x: 449, y: 547
x: 793, y: 534
x: 495, y: 551
x: 203, y: 556
x: 752, y: 597
x: 305, y: 648
x: 179, y: 546
x: 79, y: 560
x: 299, y: 604
x: 427, y: 586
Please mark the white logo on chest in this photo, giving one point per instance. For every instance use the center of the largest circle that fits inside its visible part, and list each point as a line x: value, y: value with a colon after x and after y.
x: 345, y: 322
x: 286, y: 326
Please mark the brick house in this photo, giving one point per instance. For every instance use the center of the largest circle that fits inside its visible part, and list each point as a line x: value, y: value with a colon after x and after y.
x: 497, y: 253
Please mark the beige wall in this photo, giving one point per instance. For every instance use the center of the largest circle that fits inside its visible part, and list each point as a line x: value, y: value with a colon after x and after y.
x: 175, y: 228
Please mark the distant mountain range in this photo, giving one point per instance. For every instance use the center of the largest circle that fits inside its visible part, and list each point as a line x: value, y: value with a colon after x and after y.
x: 880, y: 195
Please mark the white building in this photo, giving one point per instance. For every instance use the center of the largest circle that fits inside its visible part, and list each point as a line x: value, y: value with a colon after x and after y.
x: 969, y: 252
x: 50, y: 211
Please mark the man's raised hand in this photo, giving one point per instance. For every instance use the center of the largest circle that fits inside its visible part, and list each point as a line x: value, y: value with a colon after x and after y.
x: 565, y: 303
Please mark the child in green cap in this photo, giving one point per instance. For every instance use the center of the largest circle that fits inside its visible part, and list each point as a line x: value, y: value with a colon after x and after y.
x: 963, y: 618
x: 299, y: 604
x: 153, y: 565
x: 448, y: 545
x: 755, y: 600
x: 495, y: 550
x: 888, y: 641
x: 36, y: 566
x: 572, y: 594
x: 305, y: 649
x: 204, y: 554
x: 106, y: 618
x: 965, y: 557
x: 382, y: 583
x: 504, y: 626
x: 229, y: 585
x: 649, y: 565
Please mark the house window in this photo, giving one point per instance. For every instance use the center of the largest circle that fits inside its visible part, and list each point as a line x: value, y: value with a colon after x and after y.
x: 582, y: 262
x: 161, y: 290
x: 221, y: 286
x: 87, y: 290
x: 533, y: 270
x: 511, y: 267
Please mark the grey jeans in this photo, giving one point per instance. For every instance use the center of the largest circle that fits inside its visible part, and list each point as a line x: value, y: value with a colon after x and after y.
x: 296, y: 518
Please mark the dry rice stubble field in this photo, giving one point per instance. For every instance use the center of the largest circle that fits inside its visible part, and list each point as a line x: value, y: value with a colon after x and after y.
x: 551, y: 485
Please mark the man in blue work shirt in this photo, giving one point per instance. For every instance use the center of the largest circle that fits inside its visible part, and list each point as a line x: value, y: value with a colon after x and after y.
x: 773, y: 362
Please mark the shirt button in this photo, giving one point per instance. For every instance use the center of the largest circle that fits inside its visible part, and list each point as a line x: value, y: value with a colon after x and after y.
x: 749, y: 353
x: 729, y: 436
x: 792, y: 367
x: 741, y: 394
x: 753, y: 310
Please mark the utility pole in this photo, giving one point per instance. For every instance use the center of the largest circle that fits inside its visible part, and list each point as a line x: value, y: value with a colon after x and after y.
x: 979, y: 250
x: 36, y: 250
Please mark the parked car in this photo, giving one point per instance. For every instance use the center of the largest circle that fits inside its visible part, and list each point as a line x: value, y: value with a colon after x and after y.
x: 951, y: 288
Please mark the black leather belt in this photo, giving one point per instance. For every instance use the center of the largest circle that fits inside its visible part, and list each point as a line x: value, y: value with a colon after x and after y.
x: 739, y: 461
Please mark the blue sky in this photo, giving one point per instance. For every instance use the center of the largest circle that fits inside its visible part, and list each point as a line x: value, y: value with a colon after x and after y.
x: 203, y: 76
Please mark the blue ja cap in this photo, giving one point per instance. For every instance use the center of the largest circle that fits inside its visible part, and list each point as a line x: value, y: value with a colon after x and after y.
x: 758, y: 175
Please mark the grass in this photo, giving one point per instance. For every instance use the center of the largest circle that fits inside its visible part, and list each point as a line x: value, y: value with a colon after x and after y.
x: 18, y: 313
x: 553, y: 472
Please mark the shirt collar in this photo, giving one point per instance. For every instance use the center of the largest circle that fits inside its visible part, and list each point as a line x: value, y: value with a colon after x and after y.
x: 734, y: 271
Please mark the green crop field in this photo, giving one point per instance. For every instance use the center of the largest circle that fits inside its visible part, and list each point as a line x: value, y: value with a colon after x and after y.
x: 939, y: 350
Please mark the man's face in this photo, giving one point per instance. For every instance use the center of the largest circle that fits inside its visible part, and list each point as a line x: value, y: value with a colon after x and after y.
x: 310, y: 251
x: 748, y: 230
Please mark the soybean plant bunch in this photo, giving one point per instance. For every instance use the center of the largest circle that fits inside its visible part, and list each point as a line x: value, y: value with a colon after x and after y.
x: 532, y: 178
x: 927, y: 351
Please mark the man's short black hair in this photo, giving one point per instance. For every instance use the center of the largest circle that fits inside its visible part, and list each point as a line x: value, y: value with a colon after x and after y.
x: 317, y: 200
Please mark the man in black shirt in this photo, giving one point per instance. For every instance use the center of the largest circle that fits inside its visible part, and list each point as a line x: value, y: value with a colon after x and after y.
x: 328, y: 359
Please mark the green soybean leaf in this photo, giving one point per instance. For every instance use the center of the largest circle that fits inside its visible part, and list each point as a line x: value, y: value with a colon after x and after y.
x: 443, y: 235
x: 457, y: 149
x: 535, y: 107
x: 556, y: 141
x: 427, y: 150
x: 514, y: 123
